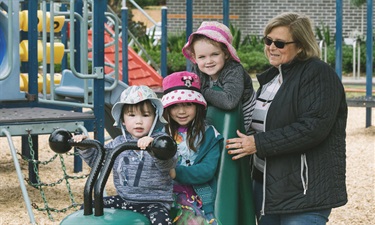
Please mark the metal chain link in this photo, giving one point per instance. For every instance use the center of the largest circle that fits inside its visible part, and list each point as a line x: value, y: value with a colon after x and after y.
x: 63, y: 210
x: 37, y: 161
x: 41, y: 191
x: 59, y: 181
x: 67, y: 180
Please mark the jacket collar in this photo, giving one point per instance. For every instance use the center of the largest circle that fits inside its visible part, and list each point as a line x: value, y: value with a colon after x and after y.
x: 269, y: 74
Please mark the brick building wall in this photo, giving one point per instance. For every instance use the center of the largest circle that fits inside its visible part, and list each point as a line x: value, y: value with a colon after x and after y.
x: 251, y: 16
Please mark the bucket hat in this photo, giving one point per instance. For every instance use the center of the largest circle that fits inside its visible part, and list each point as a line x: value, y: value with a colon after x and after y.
x: 133, y: 95
x: 182, y: 87
x: 215, y: 31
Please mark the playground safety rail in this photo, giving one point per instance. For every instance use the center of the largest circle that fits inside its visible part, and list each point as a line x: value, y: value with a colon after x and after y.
x: 19, y: 175
x: 323, y: 48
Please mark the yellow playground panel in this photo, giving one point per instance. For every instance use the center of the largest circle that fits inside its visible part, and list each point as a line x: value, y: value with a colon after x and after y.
x: 58, y: 52
x: 58, y: 48
x: 58, y: 21
x: 24, y: 82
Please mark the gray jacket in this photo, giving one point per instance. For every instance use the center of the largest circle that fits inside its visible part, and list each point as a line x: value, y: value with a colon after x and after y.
x: 236, y: 87
x: 235, y: 82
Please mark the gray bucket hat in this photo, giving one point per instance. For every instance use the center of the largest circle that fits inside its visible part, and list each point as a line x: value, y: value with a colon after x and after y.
x: 135, y: 94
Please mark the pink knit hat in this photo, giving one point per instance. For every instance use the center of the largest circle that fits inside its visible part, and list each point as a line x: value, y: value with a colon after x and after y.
x: 182, y: 87
x: 215, y: 31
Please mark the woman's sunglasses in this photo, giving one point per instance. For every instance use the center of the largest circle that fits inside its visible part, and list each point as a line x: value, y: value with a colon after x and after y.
x: 278, y: 44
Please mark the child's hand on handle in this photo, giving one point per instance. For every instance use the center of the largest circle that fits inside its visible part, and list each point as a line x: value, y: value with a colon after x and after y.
x: 79, y: 138
x: 144, y: 142
x: 172, y: 173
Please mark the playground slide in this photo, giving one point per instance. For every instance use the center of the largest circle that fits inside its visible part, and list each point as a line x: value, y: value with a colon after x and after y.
x: 139, y: 72
x: 110, y: 99
x: 9, y: 66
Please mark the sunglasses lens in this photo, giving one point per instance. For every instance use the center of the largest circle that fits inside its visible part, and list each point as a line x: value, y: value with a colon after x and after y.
x: 278, y: 44
x: 267, y: 41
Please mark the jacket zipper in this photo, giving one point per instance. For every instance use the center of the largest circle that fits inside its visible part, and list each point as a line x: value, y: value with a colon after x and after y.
x: 304, y: 173
x: 264, y: 190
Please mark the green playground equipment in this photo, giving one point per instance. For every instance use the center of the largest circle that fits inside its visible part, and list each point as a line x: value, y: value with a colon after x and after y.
x: 163, y: 147
x: 234, y: 200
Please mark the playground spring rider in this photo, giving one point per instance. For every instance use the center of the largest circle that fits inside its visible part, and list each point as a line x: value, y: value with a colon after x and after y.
x: 60, y: 141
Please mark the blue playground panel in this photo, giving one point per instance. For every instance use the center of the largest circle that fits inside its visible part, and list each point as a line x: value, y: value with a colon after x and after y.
x: 2, y: 45
x: 10, y: 87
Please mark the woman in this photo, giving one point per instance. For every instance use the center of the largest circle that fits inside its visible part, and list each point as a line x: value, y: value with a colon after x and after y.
x: 300, y: 120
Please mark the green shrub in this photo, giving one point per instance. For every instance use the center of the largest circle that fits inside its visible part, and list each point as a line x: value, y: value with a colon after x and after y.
x: 236, y: 36
x: 323, y: 33
x: 176, y: 62
x: 176, y: 42
x: 253, y: 41
x: 254, y: 61
x: 347, y: 58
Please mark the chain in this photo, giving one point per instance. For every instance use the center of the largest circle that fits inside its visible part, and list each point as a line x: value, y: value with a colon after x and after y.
x: 32, y: 155
x: 63, y: 210
x: 39, y: 184
x: 37, y: 161
x: 59, y: 181
x: 67, y: 180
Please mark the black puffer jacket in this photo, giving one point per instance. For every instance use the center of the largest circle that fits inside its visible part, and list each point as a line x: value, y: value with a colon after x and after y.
x: 305, y: 134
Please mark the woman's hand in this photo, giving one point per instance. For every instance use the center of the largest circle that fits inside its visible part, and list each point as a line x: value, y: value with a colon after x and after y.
x: 144, y: 142
x: 242, y: 146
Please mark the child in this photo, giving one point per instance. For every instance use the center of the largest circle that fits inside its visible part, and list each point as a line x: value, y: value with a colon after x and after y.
x: 198, y: 150
x: 142, y: 182
x: 216, y: 62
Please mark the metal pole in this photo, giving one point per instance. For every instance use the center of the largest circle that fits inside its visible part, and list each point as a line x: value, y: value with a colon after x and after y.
x: 20, y: 176
x: 78, y: 7
x: 32, y: 36
x: 369, y: 58
x: 164, y: 40
x: 354, y: 58
x: 226, y: 12
x: 124, y: 22
x: 64, y: 38
x: 189, y: 26
x: 339, y: 38
x: 98, y: 62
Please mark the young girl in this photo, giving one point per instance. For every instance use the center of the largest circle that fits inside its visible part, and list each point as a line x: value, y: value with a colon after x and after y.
x: 216, y: 62
x: 198, y: 150
x: 142, y: 182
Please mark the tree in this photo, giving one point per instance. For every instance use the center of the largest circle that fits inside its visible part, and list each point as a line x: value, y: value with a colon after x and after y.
x: 357, y: 3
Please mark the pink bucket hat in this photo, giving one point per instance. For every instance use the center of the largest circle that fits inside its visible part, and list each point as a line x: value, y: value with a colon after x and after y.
x: 182, y: 87
x: 215, y: 31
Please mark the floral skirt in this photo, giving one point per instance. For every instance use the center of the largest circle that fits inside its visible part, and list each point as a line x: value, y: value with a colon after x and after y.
x: 187, y: 208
